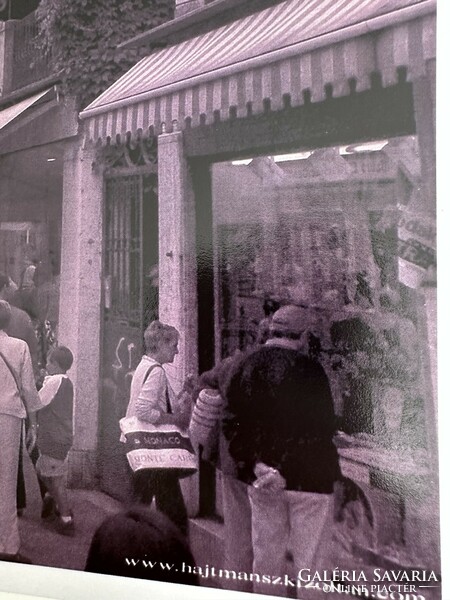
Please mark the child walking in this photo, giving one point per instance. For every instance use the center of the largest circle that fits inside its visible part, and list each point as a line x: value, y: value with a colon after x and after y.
x: 54, y: 438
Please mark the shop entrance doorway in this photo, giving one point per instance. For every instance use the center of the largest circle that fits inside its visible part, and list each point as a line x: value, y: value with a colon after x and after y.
x: 130, y: 296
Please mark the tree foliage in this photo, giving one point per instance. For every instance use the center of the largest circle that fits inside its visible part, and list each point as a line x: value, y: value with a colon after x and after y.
x: 81, y: 37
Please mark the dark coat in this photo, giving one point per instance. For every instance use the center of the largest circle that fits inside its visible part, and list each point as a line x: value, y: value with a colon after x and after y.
x: 280, y: 412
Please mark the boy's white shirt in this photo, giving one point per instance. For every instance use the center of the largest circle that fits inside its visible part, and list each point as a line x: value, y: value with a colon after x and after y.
x: 50, y: 388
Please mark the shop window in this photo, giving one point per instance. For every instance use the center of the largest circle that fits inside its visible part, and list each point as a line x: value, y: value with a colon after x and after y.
x: 325, y: 229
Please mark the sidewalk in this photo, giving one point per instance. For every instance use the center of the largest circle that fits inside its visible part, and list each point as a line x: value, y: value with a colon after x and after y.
x: 42, y: 544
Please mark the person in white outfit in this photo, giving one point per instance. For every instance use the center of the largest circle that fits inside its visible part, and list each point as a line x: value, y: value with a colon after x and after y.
x: 19, y: 398
x: 152, y: 400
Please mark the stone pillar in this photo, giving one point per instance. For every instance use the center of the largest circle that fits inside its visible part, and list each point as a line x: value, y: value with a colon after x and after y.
x: 424, y: 94
x: 177, y: 267
x: 423, y: 515
x: 177, y: 250
x: 80, y: 304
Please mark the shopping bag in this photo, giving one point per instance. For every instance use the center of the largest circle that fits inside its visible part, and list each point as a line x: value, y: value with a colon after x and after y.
x: 149, y: 446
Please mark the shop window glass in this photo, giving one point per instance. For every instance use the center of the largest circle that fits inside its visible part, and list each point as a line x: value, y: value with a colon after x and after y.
x: 335, y: 230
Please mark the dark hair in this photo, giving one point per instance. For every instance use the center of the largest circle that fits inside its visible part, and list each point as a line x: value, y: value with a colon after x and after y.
x: 125, y: 543
x: 158, y: 333
x: 62, y: 356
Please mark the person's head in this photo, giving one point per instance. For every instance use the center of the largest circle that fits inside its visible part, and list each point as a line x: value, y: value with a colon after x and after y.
x: 291, y: 322
x: 161, y: 342
x: 125, y: 543
x: 59, y: 360
x: 5, y: 314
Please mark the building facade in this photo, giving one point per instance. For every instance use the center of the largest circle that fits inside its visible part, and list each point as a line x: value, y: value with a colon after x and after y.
x: 282, y: 152
x: 275, y: 151
x: 38, y: 128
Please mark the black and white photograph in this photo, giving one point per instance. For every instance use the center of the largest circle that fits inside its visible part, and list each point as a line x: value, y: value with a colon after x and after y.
x: 218, y: 299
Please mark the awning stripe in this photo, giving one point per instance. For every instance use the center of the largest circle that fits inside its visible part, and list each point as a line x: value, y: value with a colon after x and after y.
x: 202, y: 99
x: 295, y: 91
x: 96, y: 124
x: 163, y: 110
x: 175, y: 106
x: 327, y: 65
x: 416, y: 48
x: 337, y: 76
x: 241, y: 100
x: 157, y: 112
x: 257, y: 101
x: 232, y: 93
x: 249, y: 88
x: 209, y: 110
x: 401, y: 45
x: 196, y: 105
x: 188, y: 103
x: 350, y: 50
x: 317, y: 82
x: 152, y: 112
x: 306, y: 72
x: 182, y: 106
x: 103, y: 126
x: 266, y: 82
x: 429, y: 37
x: 191, y: 79
x: 279, y: 26
x: 134, y: 110
x: 385, y: 57
x: 366, y: 63
x: 225, y: 99
x: 275, y: 76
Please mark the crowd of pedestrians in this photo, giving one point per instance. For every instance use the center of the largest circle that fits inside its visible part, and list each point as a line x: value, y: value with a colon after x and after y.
x: 263, y: 416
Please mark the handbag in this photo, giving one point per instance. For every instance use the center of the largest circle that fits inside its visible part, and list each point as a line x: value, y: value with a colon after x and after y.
x: 164, y: 446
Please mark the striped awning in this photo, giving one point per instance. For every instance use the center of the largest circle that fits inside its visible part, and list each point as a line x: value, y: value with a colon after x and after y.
x: 7, y: 115
x: 294, y: 46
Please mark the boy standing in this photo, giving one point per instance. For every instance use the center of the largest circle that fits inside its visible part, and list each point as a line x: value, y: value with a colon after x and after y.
x: 55, y: 436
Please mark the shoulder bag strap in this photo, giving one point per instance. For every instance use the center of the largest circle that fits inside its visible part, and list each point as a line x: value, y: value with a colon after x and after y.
x: 149, y: 370
x: 169, y: 407
x: 13, y: 373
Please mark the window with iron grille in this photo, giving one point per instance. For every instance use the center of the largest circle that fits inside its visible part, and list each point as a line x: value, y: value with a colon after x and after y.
x: 123, y: 247
x: 131, y: 241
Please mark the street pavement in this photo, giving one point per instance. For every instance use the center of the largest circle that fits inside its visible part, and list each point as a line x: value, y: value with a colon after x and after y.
x: 39, y: 540
x: 45, y: 547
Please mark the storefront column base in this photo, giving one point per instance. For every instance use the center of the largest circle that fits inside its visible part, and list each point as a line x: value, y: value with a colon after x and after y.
x: 83, y: 469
